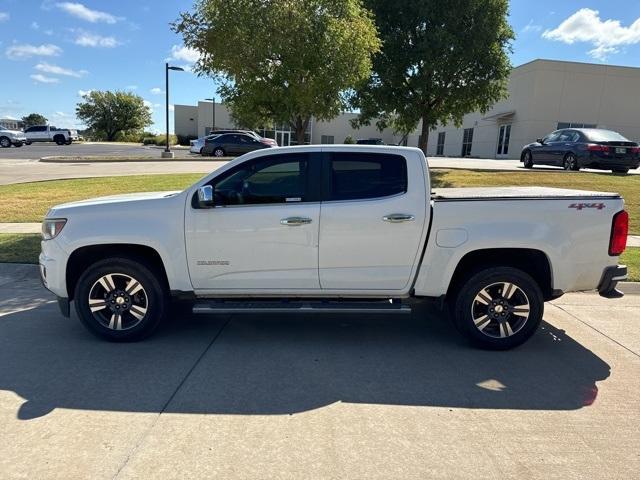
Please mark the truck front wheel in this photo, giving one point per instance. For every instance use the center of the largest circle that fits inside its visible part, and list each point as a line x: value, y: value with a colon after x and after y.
x: 121, y: 300
x: 59, y: 139
x: 498, y: 308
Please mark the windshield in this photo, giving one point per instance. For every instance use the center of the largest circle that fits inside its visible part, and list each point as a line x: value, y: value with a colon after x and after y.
x: 604, y: 136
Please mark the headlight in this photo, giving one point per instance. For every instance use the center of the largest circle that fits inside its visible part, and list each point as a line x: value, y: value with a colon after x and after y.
x: 51, y: 227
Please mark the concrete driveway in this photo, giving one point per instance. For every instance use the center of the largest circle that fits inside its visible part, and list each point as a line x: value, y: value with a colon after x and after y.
x: 332, y: 397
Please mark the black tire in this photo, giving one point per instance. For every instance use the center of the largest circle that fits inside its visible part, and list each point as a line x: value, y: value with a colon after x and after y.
x: 501, y: 328
x: 570, y: 163
x: 68, y: 142
x: 59, y: 139
x: 528, y: 159
x: 218, y: 152
x: 152, y: 298
x: 18, y: 145
x: 27, y: 143
x: 5, y: 142
x: 621, y: 170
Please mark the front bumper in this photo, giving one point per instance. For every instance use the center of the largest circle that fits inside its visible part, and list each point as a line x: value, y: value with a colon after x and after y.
x: 18, y: 141
x: 610, y: 278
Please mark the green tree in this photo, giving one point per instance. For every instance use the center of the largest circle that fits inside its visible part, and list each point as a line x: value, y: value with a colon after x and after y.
x: 109, y: 113
x: 440, y: 60
x: 34, y: 119
x: 282, y: 61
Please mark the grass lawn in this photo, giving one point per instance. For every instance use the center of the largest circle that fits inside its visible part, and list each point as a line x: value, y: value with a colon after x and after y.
x: 29, y: 202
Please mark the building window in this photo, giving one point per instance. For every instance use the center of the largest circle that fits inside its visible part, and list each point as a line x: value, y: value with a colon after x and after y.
x: 467, y: 140
x: 503, y: 139
x: 440, y: 144
x: 562, y: 125
x: 327, y: 139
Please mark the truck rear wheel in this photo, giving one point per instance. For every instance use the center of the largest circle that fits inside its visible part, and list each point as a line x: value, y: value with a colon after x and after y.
x: 498, y: 308
x: 121, y: 300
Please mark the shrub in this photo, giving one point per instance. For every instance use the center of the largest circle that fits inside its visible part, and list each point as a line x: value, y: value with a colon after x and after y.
x: 162, y: 139
x: 349, y: 140
x: 186, y: 139
x: 149, y: 141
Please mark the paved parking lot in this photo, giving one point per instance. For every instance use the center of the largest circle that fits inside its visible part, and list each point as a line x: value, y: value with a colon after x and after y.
x: 27, y: 168
x: 321, y: 397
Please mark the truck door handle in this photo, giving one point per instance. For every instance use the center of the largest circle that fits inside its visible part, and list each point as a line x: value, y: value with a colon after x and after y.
x: 398, y: 218
x: 295, y: 221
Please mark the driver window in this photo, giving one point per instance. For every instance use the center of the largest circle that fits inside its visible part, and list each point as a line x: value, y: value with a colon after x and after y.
x: 273, y: 179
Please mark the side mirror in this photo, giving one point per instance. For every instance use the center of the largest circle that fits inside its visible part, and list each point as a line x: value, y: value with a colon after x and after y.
x: 540, y: 140
x: 205, y: 196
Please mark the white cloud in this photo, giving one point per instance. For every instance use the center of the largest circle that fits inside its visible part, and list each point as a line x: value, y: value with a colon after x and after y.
x: 87, y: 39
x: 148, y: 104
x: 131, y: 87
x: 56, y: 70
x: 4, y: 16
x: 531, y: 27
x: 156, y: 91
x: 78, y: 10
x: 82, y: 93
x: 22, y: 51
x: 586, y: 26
x: 183, y: 54
x: 35, y: 25
x: 39, y: 78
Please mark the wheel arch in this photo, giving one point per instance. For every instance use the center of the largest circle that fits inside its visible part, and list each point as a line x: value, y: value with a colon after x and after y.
x: 524, y: 152
x: 81, y: 258
x: 533, y: 262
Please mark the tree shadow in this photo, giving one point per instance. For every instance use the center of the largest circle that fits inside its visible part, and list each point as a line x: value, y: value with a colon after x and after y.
x: 287, y: 364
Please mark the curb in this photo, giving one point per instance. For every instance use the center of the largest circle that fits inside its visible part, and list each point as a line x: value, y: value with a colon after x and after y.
x: 98, y: 159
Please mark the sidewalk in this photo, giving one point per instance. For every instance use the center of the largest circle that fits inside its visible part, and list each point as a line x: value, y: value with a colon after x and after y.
x: 632, y: 240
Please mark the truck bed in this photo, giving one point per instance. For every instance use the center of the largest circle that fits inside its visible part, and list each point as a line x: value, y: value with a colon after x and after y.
x: 515, y: 193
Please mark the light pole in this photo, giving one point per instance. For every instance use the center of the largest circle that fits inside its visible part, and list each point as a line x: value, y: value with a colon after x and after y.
x: 167, y: 151
x: 213, y: 116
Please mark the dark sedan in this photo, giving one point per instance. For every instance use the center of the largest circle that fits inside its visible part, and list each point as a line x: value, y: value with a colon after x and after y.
x: 230, y: 144
x: 576, y: 148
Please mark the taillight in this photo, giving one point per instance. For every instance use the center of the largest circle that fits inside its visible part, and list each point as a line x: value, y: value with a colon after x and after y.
x: 619, y: 232
x: 592, y: 147
x: 635, y: 149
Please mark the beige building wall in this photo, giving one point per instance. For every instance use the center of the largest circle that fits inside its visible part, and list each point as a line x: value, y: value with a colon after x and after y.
x: 542, y: 93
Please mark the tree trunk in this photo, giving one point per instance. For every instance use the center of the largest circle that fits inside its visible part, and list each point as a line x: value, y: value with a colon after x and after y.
x: 424, y: 135
x: 300, y: 127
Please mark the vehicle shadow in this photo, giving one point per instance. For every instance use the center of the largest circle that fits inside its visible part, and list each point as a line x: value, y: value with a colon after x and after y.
x: 287, y: 364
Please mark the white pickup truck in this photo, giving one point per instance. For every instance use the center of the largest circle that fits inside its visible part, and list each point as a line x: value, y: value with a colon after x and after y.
x: 332, y: 229
x: 47, y: 133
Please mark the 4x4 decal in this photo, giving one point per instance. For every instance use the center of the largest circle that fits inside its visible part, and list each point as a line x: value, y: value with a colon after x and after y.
x: 580, y: 206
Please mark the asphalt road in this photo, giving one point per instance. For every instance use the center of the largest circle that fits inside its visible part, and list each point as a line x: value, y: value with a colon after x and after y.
x: 25, y: 167
x: 39, y: 150
x: 349, y: 397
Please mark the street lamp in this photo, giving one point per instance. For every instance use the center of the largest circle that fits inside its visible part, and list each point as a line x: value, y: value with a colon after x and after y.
x: 213, y: 116
x: 167, y: 151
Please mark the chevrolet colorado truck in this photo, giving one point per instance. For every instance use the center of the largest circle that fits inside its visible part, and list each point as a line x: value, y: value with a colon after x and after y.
x: 47, y: 133
x: 327, y: 229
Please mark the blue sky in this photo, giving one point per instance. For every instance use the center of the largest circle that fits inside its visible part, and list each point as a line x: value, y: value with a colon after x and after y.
x: 51, y: 51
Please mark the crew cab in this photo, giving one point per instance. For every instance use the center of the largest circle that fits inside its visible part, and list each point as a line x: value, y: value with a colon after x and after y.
x: 48, y: 133
x: 320, y: 229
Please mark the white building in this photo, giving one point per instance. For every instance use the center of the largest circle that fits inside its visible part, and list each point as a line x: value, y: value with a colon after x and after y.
x: 544, y: 95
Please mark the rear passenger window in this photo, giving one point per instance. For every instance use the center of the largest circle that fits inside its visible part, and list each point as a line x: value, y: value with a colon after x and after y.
x: 354, y: 176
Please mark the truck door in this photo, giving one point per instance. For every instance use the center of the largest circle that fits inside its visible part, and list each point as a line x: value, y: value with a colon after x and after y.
x: 372, y: 217
x: 262, y: 233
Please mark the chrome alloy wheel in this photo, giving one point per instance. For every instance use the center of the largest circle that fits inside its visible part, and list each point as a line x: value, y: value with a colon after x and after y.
x: 500, y: 310
x: 118, y: 301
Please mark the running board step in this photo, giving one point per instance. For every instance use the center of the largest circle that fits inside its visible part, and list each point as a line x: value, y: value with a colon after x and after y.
x: 300, y: 306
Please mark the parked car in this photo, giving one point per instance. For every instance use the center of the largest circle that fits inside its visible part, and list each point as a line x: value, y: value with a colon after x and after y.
x: 11, y: 137
x: 332, y: 229
x: 369, y: 141
x: 576, y: 148
x: 197, y: 145
x: 229, y: 144
x: 270, y: 141
x: 48, y: 133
